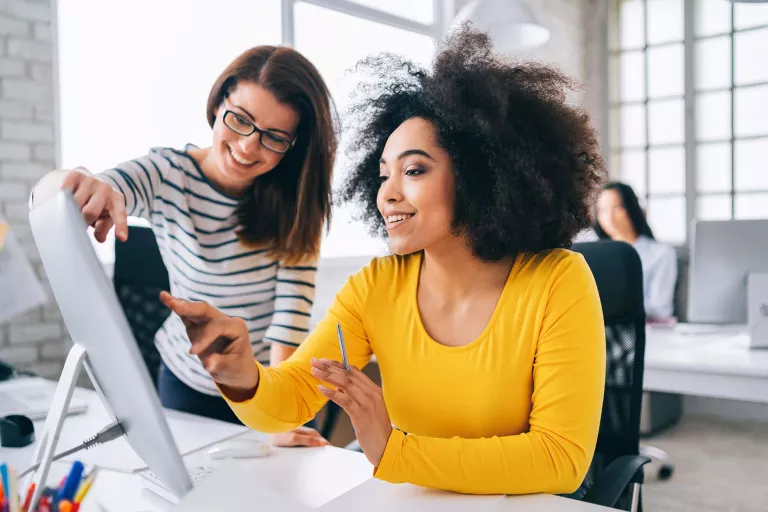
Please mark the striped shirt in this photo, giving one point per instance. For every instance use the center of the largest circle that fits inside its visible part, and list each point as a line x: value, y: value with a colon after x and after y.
x: 195, y: 226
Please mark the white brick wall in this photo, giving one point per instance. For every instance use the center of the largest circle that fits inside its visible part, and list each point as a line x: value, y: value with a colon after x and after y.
x: 36, y: 340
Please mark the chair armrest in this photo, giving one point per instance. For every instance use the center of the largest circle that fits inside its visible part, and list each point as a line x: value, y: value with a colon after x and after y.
x: 612, y: 482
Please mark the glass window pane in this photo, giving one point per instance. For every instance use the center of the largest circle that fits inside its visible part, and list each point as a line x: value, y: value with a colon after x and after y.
x: 667, y: 170
x: 666, y: 216
x: 353, y: 38
x: 712, y: 17
x: 632, y: 24
x: 146, y: 72
x: 713, y: 167
x: 665, y: 21
x: 751, y: 160
x: 751, y: 114
x: 666, y: 121
x: 665, y: 71
x: 713, y: 63
x: 750, y: 15
x: 417, y: 10
x: 632, y: 125
x: 632, y: 76
x: 751, y: 58
x: 713, y: 116
x: 716, y: 207
x: 633, y: 170
x: 751, y: 206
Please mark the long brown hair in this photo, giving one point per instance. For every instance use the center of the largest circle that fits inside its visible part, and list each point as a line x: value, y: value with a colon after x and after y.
x: 285, y: 208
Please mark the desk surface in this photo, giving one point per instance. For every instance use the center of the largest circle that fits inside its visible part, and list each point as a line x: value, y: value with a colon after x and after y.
x: 315, y: 477
x: 718, y: 364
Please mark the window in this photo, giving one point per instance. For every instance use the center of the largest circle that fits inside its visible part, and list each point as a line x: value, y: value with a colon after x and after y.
x: 354, y: 38
x: 135, y: 75
x: 709, y: 164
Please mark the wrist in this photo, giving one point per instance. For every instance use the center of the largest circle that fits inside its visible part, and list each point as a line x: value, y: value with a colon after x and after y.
x: 241, y: 392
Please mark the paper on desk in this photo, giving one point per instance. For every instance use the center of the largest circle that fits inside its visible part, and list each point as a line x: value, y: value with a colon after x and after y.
x: 22, y: 290
x: 189, y: 431
x: 375, y: 495
x: 233, y: 487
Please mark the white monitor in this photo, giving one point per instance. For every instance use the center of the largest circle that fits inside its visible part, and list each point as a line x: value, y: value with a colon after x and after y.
x: 723, y: 254
x: 95, y: 321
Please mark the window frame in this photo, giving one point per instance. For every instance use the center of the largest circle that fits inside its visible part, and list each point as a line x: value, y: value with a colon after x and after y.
x: 690, y: 144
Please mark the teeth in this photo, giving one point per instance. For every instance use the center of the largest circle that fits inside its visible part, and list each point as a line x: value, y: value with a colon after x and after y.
x: 239, y: 159
x: 398, y: 218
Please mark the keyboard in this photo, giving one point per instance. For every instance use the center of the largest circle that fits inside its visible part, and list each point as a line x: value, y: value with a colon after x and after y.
x: 11, y: 405
x: 197, y: 475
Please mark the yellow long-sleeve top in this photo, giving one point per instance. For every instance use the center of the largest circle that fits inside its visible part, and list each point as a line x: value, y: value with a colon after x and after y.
x: 515, y: 411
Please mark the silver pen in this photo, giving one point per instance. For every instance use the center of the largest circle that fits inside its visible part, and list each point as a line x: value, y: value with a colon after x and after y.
x: 340, y: 334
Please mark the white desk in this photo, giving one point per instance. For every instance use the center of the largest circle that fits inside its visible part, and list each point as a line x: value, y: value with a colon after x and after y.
x: 718, y: 365
x: 317, y: 477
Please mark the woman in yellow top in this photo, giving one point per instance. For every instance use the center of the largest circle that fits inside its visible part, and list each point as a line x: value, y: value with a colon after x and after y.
x: 487, y: 331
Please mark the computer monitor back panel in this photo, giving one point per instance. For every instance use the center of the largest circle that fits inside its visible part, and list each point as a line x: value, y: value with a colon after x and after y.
x: 95, y: 320
x: 723, y: 254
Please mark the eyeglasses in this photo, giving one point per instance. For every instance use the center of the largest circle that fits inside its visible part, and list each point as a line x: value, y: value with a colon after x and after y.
x: 270, y: 140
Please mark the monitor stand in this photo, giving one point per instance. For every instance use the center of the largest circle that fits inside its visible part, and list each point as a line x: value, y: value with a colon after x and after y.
x: 757, y: 309
x: 46, y: 444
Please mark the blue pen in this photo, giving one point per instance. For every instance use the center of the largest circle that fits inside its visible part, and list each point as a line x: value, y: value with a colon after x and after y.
x: 4, y: 476
x: 73, y: 482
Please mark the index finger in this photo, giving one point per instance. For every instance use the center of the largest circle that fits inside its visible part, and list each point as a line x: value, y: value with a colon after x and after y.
x: 194, y: 312
x: 119, y: 217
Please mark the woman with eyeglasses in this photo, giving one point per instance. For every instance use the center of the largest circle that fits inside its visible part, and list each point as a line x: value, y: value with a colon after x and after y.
x: 238, y: 223
x: 620, y: 217
x: 487, y: 330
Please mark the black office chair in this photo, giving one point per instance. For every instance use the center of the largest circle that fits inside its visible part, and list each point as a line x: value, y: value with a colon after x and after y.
x: 615, y: 476
x: 139, y: 276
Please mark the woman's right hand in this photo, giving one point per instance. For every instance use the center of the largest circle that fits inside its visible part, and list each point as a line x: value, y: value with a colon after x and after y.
x: 101, y: 205
x: 222, y: 343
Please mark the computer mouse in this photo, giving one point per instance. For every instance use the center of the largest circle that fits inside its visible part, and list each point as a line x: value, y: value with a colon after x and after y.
x: 239, y: 449
x: 16, y: 431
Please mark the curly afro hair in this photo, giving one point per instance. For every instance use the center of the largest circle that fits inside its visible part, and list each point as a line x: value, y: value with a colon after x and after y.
x: 528, y: 165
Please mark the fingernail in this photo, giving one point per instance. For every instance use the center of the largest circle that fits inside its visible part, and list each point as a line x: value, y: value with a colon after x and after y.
x: 323, y: 388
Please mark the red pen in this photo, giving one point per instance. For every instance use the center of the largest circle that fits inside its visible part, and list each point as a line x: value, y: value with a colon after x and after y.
x: 28, y: 499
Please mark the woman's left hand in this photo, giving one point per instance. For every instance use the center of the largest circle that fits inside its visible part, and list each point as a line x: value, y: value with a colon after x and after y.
x: 362, y: 400
x: 301, y: 436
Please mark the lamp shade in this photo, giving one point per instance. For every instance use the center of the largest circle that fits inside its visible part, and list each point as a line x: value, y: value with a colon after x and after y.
x: 510, y: 23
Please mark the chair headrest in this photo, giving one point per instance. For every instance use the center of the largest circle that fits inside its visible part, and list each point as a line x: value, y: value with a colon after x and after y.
x: 138, y: 259
x: 619, y: 277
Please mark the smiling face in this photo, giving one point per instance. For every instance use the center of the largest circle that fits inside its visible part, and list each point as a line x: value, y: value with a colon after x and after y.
x: 242, y: 158
x: 417, y: 192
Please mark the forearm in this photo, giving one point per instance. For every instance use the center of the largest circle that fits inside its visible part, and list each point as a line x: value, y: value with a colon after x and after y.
x: 285, y: 398
x: 279, y: 352
x: 521, y: 464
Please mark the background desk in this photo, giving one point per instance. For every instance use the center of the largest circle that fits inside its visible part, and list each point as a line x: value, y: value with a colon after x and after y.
x: 719, y: 365
x: 318, y: 477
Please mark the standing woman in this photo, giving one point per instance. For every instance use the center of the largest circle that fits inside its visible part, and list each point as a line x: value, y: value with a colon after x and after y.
x: 238, y: 223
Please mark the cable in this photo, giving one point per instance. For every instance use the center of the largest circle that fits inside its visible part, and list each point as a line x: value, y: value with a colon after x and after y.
x: 105, y: 435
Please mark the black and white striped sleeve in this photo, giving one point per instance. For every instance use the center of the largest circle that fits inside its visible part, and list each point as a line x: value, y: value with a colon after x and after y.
x: 295, y: 294
x: 139, y: 180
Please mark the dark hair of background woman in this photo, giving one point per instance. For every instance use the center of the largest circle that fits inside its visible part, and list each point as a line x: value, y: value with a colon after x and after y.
x: 632, y: 206
x: 527, y: 163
